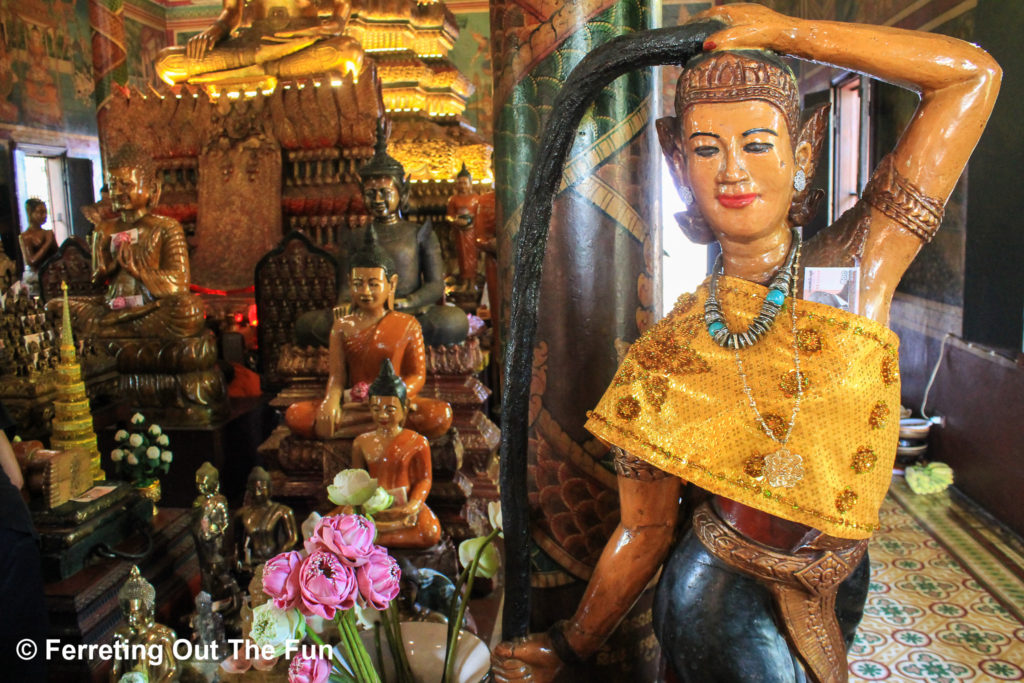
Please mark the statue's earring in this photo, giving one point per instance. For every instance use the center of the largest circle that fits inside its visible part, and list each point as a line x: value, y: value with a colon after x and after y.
x: 686, y: 194
x: 800, y: 180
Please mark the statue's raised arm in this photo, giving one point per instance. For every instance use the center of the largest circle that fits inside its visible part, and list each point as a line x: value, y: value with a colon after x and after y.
x: 958, y: 83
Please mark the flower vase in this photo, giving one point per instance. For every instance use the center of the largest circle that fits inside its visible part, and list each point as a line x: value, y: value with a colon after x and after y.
x: 425, y: 647
x: 150, y: 492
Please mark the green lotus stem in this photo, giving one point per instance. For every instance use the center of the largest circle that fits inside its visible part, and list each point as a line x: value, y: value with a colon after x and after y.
x: 397, y: 644
x: 465, y: 578
x: 358, y: 657
x: 380, y: 652
x: 338, y: 675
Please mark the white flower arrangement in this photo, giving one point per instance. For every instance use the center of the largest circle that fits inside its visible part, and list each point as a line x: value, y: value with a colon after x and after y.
x: 142, y: 454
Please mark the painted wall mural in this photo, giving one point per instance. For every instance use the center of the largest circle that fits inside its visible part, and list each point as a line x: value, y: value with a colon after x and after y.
x: 472, y: 56
x: 46, y: 78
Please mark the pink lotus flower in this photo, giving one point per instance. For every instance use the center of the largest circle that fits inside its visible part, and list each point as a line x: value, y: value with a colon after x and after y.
x: 281, y: 579
x: 309, y: 670
x: 379, y: 579
x: 360, y: 392
x: 326, y: 585
x: 350, y: 537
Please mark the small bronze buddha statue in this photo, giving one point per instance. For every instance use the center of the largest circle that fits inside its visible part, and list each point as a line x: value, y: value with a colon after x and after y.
x: 275, y: 39
x: 415, y: 250
x: 141, y: 633
x: 209, y: 530
x: 37, y: 243
x: 262, y: 528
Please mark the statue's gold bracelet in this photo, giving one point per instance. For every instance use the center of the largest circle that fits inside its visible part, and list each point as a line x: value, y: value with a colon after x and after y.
x: 632, y: 467
x: 903, y: 202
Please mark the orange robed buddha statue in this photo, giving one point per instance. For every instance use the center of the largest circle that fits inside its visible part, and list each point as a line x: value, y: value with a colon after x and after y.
x: 399, y: 459
x: 276, y: 39
x: 359, y: 342
x: 463, y: 207
x: 144, y: 258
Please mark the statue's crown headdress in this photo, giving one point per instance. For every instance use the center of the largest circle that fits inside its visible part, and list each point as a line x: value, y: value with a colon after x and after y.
x: 737, y: 76
x: 137, y: 588
x: 382, y: 163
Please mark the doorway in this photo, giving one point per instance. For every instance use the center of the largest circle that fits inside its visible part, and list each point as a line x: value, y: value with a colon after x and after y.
x: 41, y: 173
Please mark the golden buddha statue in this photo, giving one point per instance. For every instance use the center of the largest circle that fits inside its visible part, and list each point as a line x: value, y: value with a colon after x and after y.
x: 209, y: 531
x: 142, y: 634
x: 275, y: 39
x: 359, y: 342
x: 262, y: 527
x: 399, y: 459
x: 463, y: 207
x: 145, y: 260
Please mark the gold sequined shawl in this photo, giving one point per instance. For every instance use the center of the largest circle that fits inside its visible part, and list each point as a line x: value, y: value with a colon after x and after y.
x: 677, y: 401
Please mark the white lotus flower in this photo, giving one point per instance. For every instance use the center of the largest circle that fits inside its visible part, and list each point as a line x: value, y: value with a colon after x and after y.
x: 117, y: 455
x: 154, y: 430
x: 135, y: 440
x: 138, y: 419
x: 162, y: 440
x: 380, y: 500
x: 167, y: 456
x: 351, y: 487
x: 132, y: 460
x: 121, y: 435
x: 309, y: 525
x: 153, y: 453
x: 494, y: 515
x: 276, y: 627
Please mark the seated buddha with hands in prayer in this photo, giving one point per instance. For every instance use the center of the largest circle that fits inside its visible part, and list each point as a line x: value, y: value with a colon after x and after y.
x: 784, y: 410
x: 399, y: 459
x: 143, y: 258
x: 359, y: 342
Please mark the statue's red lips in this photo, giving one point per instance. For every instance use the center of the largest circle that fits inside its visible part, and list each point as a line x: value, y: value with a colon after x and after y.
x: 736, y: 201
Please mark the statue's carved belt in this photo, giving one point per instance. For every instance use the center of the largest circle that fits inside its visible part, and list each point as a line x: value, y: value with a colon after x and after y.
x: 803, y: 586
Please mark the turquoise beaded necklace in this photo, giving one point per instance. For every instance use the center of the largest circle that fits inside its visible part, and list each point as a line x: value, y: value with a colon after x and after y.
x: 778, y: 289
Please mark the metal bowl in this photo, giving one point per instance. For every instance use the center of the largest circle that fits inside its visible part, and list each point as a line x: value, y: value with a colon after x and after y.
x: 914, y: 429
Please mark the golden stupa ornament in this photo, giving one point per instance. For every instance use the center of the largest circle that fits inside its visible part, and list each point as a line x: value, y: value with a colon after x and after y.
x: 72, y: 420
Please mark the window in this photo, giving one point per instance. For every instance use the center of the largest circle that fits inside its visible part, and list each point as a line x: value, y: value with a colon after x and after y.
x: 850, y: 102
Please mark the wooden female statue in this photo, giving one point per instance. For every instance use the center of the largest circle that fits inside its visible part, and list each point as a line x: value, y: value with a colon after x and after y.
x: 784, y: 410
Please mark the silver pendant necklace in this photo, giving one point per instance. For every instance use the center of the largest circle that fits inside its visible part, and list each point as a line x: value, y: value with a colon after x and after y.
x: 783, y: 468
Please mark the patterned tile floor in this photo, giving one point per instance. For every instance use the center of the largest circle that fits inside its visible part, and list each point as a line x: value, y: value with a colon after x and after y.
x: 946, y: 601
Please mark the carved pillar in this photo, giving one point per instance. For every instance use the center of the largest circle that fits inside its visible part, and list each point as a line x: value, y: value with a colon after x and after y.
x: 239, y: 203
x: 109, y: 65
x: 600, y: 289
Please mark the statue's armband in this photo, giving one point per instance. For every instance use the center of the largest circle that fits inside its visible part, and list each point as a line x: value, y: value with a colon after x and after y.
x: 903, y: 202
x: 632, y: 467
